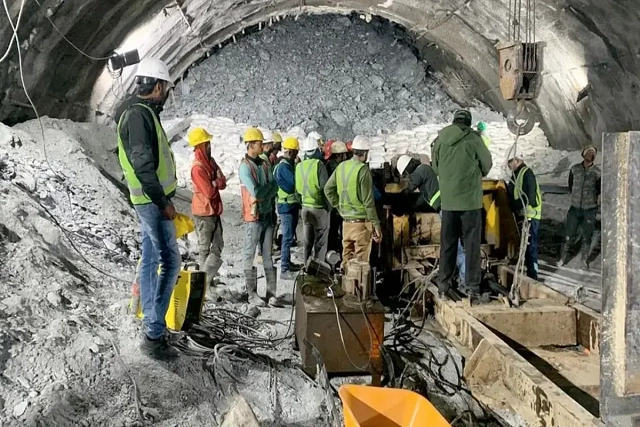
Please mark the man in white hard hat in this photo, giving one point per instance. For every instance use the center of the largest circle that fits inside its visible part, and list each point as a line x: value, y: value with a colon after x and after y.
x: 338, y: 154
x: 311, y: 178
x: 150, y: 171
x: 350, y: 190
x: 423, y: 178
x: 525, y: 201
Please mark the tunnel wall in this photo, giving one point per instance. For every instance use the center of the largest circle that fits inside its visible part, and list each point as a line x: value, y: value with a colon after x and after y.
x: 587, y: 41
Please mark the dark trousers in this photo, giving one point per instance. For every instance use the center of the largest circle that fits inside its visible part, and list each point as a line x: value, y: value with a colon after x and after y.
x: 575, y: 218
x: 335, y: 232
x: 531, y: 256
x: 465, y: 225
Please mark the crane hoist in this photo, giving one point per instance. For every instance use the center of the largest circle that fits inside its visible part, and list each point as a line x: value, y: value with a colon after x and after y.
x: 521, y: 65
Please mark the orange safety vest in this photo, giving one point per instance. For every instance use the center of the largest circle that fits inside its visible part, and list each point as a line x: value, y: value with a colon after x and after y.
x: 249, y: 203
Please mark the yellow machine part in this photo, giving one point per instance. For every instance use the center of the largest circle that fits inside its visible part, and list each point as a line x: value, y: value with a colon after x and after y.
x: 187, y: 299
x: 365, y: 406
x: 499, y: 231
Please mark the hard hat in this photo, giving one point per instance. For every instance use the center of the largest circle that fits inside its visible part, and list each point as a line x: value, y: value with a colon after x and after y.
x: 482, y: 126
x: 315, y: 135
x: 277, y: 137
x: 589, y: 148
x: 309, y: 144
x: 402, y: 164
x: 155, y: 69
x: 338, y: 147
x: 268, y: 137
x: 291, y: 143
x: 199, y: 136
x: 361, y: 143
x: 252, y: 134
x: 184, y: 225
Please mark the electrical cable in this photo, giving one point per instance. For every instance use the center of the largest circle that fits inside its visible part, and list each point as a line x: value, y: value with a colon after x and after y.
x: 44, y: 145
x: 93, y: 58
x: 15, y: 34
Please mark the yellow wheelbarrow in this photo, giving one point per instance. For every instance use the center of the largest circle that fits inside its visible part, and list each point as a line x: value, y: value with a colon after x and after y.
x: 366, y: 406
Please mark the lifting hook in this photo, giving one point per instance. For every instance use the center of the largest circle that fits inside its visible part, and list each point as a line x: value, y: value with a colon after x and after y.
x: 522, y: 118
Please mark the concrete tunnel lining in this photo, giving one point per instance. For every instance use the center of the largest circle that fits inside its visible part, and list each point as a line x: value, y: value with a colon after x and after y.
x: 580, y: 50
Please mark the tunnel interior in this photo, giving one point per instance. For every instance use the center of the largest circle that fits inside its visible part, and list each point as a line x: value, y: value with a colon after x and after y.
x: 584, y: 55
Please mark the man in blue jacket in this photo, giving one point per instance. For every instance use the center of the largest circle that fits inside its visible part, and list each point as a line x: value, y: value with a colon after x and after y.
x: 288, y: 204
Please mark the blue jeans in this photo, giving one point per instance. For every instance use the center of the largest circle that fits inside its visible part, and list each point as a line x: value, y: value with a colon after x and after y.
x: 159, y: 247
x: 258, y: 234
x: 288, y: 222
x: 460, y: 261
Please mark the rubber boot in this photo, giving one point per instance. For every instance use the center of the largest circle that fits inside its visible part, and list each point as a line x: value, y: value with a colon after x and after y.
x: 272, y: 284
x: 251, y: 277
x: 585, y: 255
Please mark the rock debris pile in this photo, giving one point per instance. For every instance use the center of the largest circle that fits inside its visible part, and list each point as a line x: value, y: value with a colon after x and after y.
x: 335, y: 74
x: 62, y: 320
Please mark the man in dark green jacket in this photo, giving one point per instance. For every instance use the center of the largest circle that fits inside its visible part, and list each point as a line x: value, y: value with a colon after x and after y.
x: 461, y: 159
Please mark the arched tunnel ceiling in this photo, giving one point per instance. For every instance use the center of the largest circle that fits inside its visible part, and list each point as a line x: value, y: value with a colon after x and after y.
x: 587, y: 42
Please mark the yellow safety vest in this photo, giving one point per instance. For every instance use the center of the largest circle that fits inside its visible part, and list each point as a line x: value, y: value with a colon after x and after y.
x: 532, y: 213
x: 166, y: 171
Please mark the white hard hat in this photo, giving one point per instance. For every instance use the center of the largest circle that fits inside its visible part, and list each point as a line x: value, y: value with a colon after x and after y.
x: 155, y: 69
x: 338, y: 147
x: 268, y: 136
x: 361, y: 143
x: 402, y: 164
x: 309, y: 144
x: 315, y: 135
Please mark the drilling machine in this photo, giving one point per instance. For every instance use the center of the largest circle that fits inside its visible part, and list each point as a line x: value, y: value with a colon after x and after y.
x: 336, y: 314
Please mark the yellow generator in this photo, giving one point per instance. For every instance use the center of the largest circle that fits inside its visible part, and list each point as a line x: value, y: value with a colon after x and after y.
x: 187, y: 300
x: 414, y: 239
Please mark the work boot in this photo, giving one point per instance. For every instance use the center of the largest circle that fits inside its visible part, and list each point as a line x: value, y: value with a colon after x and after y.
x: 294, y: 267
x: 251, y: 277
x: 271, y: 275
x: 159, y: 349
x: 288, y: 275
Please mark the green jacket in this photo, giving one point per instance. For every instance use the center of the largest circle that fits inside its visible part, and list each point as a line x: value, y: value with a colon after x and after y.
x: 460, y: 159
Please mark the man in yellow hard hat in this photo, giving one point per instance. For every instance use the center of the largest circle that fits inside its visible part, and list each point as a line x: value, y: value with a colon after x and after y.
x: 258, y: 189
x: 206, y: 205
x: 288, y: 204
x: 150, y: 172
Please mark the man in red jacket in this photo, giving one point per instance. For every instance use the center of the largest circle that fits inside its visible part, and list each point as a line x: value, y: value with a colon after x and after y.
x: 206, y: 204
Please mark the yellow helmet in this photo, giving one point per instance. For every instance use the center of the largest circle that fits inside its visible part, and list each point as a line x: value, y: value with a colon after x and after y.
x: 199, y: 136
x: 252, y: 134
x: 277, y: 137
x: 291, y: 143
x: 184, y: 225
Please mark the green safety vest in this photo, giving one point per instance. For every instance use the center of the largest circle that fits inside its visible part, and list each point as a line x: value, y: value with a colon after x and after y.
x: 532, y: 213
x: 307, y: 184
x: 166, y: 171
x: 285, y: 198
x: 349, y: 206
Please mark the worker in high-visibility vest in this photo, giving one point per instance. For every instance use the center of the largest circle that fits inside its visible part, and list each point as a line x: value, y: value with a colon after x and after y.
x: 311, y: 177
x: 288, y: 205
x: 423, y: 177
x: 150, y: 172
x: 525, y: 200
x: 350, y: 190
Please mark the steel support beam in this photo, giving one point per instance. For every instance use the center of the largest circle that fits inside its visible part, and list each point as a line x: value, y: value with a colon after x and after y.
x: 620, y: 340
